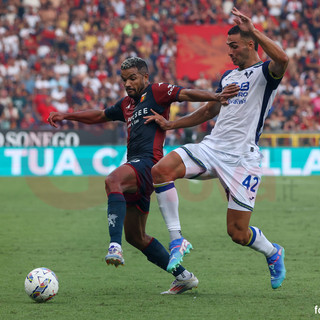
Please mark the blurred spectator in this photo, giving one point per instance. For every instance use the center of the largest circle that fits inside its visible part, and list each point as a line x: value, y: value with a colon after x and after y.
x: 62, y: 69
x: 43, y: 105
x: 28, y: 122
x: 275, y: 7
x: 10, y: 117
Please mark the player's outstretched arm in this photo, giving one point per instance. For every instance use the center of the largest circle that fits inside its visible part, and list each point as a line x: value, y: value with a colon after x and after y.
x: 279, y: 58
x: 202, y: 95
x: 88, y: 117
x: 202, y: 114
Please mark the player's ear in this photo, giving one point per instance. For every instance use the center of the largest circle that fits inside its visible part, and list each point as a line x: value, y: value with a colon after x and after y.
x: 251, y: 44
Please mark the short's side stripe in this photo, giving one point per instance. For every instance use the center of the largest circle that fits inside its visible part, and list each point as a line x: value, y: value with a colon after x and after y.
x: 241, y: 204
x: 196, y: 160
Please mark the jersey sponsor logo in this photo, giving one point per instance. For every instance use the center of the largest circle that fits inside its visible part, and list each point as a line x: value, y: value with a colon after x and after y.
x: 170, y: 87
x: 241, y: 97
x: 136, y: 117
x: 244, y: 86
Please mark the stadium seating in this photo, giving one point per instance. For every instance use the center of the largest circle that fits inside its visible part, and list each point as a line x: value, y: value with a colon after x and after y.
x: 65, y: 55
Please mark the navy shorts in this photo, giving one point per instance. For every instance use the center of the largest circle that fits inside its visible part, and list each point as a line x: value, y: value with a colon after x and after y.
x: 141, y: 199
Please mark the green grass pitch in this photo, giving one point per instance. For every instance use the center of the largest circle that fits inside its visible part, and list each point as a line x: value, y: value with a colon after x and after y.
x: 60, y: 223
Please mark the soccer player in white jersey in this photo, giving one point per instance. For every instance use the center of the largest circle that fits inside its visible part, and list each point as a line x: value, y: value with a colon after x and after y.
x: 230, y: 153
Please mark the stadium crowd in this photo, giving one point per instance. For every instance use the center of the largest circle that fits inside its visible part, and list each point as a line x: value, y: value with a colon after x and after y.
x: 65, y: 55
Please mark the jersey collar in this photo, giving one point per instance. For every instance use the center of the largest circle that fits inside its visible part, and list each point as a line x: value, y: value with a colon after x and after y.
x: 256, y: 64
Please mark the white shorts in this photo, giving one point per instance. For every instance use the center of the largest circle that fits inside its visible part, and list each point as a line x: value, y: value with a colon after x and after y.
x: 239, y: 175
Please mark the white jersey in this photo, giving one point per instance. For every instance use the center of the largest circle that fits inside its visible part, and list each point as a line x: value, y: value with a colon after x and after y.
x: 240, y: 123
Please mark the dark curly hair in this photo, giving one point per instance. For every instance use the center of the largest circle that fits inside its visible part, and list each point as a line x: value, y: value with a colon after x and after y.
x: 243, y: 34
x: 135, y: 62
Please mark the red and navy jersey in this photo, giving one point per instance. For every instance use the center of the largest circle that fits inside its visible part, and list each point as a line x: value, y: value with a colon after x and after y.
x: 145, y: 140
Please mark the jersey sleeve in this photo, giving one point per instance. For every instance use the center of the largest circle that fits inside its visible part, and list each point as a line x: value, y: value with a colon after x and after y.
x: 115, y: 112
x: 219, y: 89
x: 273, y: 81
x: 164, y: 93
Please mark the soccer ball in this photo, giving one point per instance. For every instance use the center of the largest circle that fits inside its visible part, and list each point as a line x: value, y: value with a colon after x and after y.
x: 41, y: 284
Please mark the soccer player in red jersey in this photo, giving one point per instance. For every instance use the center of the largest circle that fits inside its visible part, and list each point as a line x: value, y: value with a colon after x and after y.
x: 129, y: 186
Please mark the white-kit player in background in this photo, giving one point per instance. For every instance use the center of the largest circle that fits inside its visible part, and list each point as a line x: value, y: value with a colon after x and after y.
x: 230, y: 153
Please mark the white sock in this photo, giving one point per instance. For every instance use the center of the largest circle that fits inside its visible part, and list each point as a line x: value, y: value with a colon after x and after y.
x: 185, y: 275
x: 260, y: 243
x: 168, y: 201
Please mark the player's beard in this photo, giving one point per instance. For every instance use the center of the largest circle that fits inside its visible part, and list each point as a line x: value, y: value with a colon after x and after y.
x: 135, y: 93
x: 132, y: 93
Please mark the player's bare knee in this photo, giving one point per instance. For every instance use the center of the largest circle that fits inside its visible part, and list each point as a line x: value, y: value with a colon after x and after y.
x: 238, y: 236
x: 111, y: 183
x: 160, y: 174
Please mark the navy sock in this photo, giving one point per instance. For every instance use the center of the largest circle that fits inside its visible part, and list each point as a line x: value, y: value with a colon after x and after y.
x: 116, y: 213
x: 157, y: 254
